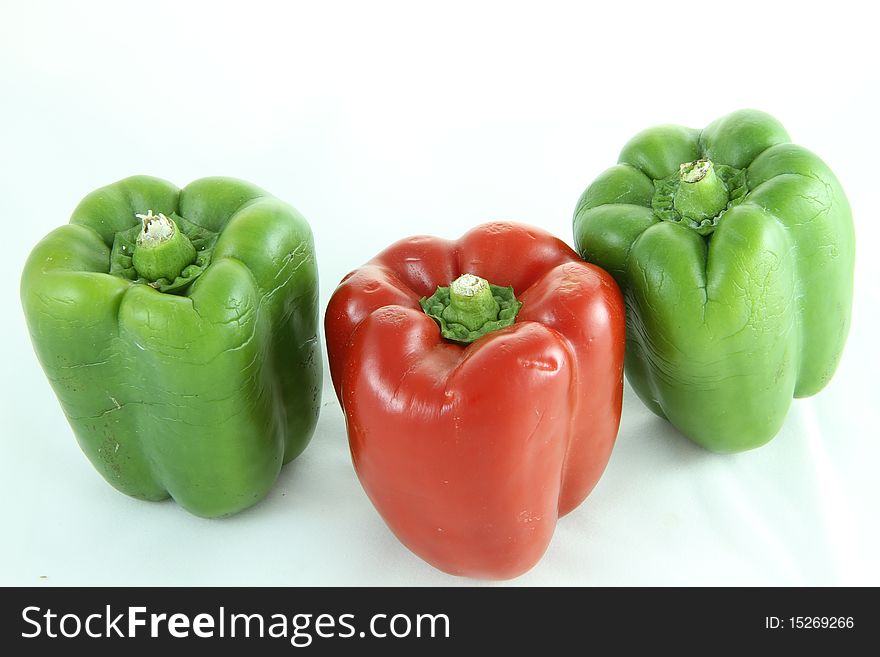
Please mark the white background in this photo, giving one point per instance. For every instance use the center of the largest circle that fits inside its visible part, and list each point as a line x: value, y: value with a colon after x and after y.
x: 382, y: 120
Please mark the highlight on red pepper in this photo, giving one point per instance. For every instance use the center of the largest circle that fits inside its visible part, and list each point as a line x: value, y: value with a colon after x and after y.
x: 481, y: 381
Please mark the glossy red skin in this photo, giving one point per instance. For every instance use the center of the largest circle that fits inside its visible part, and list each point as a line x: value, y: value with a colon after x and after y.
x: 471, y: 453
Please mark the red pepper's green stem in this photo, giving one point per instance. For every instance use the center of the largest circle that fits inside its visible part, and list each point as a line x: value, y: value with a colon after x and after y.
x: 470, y: 308
x: 471, y: 303
x: 162, y: 250
x: 700, y: 195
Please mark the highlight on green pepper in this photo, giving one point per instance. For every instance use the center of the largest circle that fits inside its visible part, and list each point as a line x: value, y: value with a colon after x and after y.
x: 179, y: 330
x: 734, y: 249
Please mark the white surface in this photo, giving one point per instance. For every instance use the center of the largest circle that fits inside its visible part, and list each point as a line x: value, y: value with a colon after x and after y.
x: 380, y: 121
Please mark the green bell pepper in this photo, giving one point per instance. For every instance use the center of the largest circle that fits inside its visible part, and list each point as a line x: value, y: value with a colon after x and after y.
x: 734, y: 249
x: 179, y: 330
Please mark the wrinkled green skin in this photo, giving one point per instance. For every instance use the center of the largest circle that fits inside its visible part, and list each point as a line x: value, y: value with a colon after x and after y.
x: 201, y: 396
x: 723, y: 331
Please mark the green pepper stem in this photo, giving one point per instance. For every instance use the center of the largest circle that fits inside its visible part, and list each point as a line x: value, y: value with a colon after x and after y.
x: 162, y: 251
x: 701, y: 194
x: 471, y: 303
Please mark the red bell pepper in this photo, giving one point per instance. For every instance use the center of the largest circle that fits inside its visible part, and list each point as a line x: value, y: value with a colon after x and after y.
x: 470, y: 452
